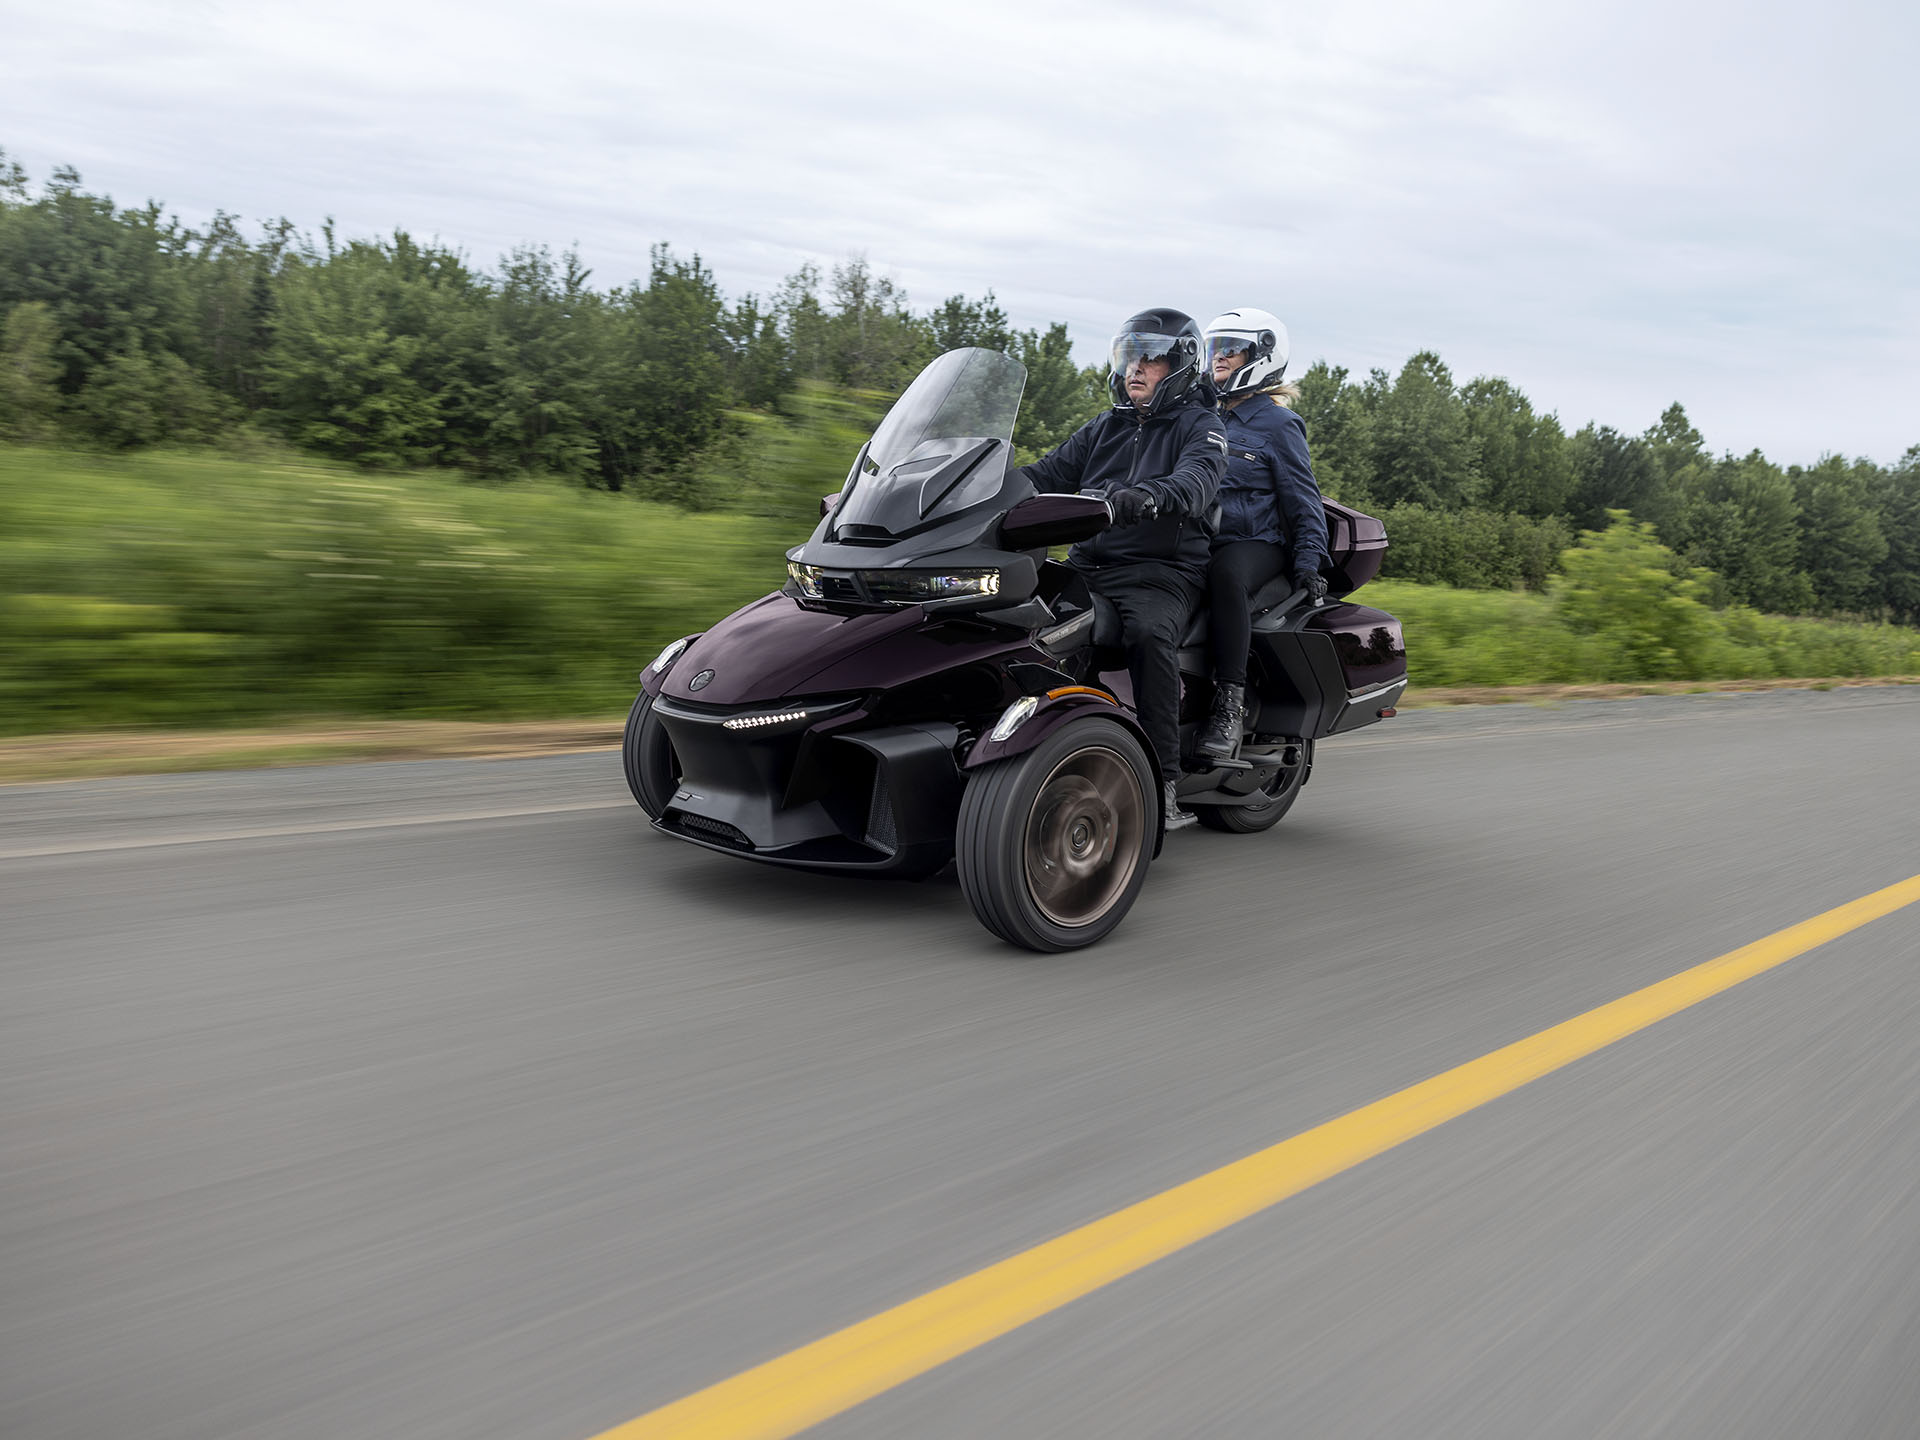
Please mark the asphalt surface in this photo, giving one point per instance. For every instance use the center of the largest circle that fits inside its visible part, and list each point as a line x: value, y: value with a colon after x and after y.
x: 445, y: 1099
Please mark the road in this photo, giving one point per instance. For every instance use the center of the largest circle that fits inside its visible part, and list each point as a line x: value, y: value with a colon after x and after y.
x: 445, y: 1099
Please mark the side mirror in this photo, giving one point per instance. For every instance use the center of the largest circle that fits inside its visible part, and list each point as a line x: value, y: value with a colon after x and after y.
x: 827, y: 502
x: 1043, y: 520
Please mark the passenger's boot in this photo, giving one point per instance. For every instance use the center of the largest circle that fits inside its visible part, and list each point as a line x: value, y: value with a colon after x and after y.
x: 1221, y: 737
x: 1177, y: 819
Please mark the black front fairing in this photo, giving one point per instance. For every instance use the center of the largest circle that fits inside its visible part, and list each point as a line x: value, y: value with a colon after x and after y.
x: 928, y: 491
x: 941, y: 452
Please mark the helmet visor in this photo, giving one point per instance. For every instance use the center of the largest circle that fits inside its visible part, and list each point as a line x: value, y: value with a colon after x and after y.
x: 1132, y: 347
x: 1237, y: 348
x: 1226, y: 342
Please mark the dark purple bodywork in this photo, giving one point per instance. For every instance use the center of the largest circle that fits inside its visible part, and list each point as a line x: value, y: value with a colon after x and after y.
x: 814, y: 735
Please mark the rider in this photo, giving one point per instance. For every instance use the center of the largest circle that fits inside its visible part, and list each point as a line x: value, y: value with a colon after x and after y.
x: 1156, y: 457
x: 1269, y: 504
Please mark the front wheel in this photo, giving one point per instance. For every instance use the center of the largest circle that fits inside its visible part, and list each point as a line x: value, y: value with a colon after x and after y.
x: 1276, y: 798
x: 653, y: 770
x: 1053, y: 845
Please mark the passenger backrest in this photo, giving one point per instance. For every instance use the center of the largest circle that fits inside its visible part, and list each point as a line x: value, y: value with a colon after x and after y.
x: 1356, y: 545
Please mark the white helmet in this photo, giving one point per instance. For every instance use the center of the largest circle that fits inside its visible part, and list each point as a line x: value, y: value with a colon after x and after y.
x: 1254, y: 331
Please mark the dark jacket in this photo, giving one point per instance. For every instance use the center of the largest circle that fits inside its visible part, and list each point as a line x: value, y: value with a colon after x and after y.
x: 1269, y: 491
x: 1176, y: 457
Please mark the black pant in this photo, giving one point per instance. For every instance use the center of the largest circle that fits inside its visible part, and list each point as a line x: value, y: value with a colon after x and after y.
x: 1239, y: 568
x: 1155, y: 602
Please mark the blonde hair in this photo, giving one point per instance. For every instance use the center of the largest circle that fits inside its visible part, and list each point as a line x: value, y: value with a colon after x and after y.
x: 1282, y: 394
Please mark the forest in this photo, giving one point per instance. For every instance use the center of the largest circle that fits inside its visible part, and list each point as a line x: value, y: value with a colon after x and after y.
x: 122, y: 328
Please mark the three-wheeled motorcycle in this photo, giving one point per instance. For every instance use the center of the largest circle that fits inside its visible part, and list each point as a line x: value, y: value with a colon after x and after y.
x: 929, y: 686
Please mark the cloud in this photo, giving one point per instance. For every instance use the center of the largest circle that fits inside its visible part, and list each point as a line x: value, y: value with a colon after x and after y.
x: 1615, y: 208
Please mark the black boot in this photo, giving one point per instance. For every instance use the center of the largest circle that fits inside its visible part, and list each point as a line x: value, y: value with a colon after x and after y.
x: 1221, y: 737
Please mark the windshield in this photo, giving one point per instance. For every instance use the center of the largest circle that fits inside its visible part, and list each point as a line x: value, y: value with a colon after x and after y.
x: 944, y: 446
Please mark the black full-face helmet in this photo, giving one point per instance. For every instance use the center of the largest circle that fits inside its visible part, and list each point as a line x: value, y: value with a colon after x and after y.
x: 1156, y: 335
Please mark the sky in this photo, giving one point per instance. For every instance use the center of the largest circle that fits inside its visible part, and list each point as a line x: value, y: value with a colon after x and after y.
x: 1615, y: 207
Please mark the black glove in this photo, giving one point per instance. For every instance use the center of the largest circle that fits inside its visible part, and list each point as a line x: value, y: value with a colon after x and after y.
x: 1131, y: 505
x: 1313, y: 582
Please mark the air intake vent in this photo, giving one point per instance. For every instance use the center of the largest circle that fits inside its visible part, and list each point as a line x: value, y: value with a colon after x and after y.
x: 718, y: 830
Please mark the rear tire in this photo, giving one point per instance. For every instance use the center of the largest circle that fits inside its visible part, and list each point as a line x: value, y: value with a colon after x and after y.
x: 1053, y: 845
x: 653, y: 770
x: 1281, y: 792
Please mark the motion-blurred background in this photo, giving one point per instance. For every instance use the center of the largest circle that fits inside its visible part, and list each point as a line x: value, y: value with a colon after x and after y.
x: 316, y: 401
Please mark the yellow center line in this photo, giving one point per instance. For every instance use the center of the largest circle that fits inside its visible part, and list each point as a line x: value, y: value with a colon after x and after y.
x: 805, y: 1386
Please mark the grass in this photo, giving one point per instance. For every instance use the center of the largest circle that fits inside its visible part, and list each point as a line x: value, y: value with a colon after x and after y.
x: 1483, y: 638
x: 192, y: 589
x: 187, y: 588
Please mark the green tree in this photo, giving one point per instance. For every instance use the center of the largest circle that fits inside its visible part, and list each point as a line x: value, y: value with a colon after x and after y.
x: 1739, y: 518
x: 231, y: 289
x: 664, y: 383
x: 530, y: 406
x: 1897, y: 500
x: 759, y: 357
x: 29, y: 401
x: 111, y: 278
x: 1842, y: 544
x: 1611, y: 472
x: 1679, y: 456
x: 1339, y: 433
x: 1060, y: 396
x: 1624, y: 589
x: 1674, y: 443
x: 960, y: 322
x: 1523, y: 457
x: 873, y: 340
x: 1471, y: 549
x: 371, y: 347
x: 802, y: 321
x: 137, y: 399
x: 1423, y: 448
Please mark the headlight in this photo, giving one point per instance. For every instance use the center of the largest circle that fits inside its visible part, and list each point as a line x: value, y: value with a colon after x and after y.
x: 807, y: 577
x: 903, y: 587
x: 667, y: 656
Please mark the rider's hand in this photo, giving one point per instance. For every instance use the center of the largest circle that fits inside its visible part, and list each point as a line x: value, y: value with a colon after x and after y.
x: 1313, y: 582
x: 1130, y: 506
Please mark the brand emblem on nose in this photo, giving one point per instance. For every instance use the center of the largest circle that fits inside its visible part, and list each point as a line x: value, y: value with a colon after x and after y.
x: 699, y: 682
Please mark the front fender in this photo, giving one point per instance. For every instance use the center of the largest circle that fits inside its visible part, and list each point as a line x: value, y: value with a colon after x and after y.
x: 1057, y: 710
x: 1051, y: 714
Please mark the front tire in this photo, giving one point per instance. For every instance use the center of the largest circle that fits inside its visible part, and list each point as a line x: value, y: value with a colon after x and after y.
x: 1053, y: 845
x: 1280, y: 793
x: 653, y: 770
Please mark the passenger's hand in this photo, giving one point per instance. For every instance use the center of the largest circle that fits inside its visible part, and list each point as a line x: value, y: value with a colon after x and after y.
x: 1130, y: 506
x: 1313, y: 582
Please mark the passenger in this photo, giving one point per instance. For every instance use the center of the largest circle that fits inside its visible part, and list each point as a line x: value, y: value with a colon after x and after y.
x: 1271, y: 515
x: 1156, y: 457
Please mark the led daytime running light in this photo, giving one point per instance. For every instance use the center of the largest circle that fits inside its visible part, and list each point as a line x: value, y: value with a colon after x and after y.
x: 755, y: 722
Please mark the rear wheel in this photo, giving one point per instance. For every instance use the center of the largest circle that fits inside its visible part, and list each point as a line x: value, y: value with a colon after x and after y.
x: 653, y: 770
x: 1053, y: 845
x: 1277, y: 797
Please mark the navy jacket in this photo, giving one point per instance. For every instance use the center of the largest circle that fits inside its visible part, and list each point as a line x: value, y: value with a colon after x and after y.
x: 1176, y: 457
x: 1269, y: 491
